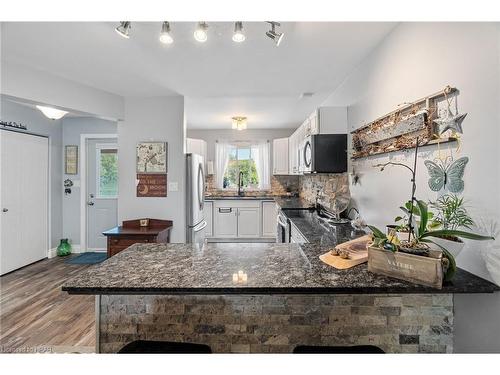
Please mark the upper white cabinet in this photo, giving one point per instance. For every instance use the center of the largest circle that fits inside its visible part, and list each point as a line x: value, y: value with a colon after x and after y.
x: 330, y: 120
x: 280, y: 156
x: 196, y: 146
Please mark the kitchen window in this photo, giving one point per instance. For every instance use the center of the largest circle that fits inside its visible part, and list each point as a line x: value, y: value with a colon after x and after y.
x: 240, y: 159
x: 249, y: 158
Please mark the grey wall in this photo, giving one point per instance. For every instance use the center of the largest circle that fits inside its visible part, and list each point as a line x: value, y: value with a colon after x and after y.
x: 153, y: 119
x: 38, y: 123
x: 415, y: 60
x: 72, y: 129
x: 210, y: 136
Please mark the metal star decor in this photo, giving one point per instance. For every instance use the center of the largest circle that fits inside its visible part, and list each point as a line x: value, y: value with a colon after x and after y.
x: 450, y: 123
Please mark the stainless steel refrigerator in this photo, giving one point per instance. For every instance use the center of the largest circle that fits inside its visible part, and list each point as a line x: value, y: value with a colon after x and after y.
x: 195, y: 199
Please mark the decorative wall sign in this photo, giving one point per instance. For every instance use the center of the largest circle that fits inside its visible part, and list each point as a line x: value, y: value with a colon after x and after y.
x: 152, y: 157
x: 152, y: 185
x: 71, y: 159
x: 447, y: 174
x: 13, y: 124
x: 400, y: 128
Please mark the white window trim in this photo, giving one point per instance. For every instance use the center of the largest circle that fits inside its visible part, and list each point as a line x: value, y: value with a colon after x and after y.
x: 98, y: 148
x: 238, y: 145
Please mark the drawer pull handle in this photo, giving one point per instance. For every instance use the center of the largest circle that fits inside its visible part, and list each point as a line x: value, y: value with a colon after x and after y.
x: 225, y: 210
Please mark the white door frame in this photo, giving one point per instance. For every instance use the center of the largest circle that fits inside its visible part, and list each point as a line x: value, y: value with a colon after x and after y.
x: 83, y: 184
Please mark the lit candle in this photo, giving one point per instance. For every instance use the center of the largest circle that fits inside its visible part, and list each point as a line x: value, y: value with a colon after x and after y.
x: 235, y: 277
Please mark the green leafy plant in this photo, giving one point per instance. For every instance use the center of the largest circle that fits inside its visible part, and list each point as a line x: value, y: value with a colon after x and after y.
x: 422, y: 234
x: 451, y: 213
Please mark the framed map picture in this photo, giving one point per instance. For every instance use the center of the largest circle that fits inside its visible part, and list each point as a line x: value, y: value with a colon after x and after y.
x: 71, y: 159
x: 152, y: 157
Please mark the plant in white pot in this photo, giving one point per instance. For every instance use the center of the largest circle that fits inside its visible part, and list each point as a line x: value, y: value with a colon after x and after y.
x: 451, y: 214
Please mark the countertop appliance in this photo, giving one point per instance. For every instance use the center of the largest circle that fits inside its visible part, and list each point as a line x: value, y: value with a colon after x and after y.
x: 324, y: 153
x: 195, y: 199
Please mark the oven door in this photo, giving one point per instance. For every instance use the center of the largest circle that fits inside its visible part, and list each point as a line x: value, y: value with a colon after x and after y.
x: 307, y: 155
x: 283, y: 230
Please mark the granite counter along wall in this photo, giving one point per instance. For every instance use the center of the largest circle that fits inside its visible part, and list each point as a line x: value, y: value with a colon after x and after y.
x: 406, y: 323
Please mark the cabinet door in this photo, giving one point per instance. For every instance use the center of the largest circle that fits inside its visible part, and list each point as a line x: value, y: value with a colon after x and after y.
x: 208, y: 213
x: 248, y: 222
x: 226, y: 222
x: 293, y: 150
x: 314, y: 124
x: 280, y: 156
x: 269, y: 219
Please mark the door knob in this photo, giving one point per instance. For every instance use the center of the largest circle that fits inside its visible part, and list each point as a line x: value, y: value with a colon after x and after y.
x: 5, y: 209
x: 90, y: 203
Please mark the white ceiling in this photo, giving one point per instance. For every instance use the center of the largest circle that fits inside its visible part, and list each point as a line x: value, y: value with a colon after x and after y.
x: 219, y: 78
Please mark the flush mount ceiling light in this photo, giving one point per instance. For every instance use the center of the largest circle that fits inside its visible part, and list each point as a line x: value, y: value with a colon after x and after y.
x: 238, y: 35
x: 275, y: 36
x: 239, y: 122
x: 51, y: 113
x: 200, y: 34
x: 124, y: 29
x: 165, y: 36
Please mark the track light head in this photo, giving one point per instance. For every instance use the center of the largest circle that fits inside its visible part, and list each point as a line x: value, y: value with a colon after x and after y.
x: 165, y: 36
x: 273, y: 35
x: 200, y: 34
x: 124, y: 28
x: 238, y: 35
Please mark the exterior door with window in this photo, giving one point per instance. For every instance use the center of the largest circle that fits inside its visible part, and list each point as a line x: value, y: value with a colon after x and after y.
x: 102, y: 190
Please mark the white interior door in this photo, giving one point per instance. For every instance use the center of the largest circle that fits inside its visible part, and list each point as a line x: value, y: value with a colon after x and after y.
x: 23, y: 199
x: 102, y: 190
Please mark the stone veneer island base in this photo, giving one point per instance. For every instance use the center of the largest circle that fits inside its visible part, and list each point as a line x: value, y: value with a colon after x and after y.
x: 413, y: 323
x: 285, y: 297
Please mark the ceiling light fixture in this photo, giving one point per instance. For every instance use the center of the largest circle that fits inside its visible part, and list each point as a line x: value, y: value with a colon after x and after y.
x: 165, y: 36
x: 238, y: 35
x: 275, y: 36
x: 239, y: 122
x: 200, y: 34
x: 124, y: 29
x: 51, y: 113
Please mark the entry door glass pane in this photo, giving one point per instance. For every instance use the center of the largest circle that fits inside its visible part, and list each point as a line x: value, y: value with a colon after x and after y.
x: 107, y: 176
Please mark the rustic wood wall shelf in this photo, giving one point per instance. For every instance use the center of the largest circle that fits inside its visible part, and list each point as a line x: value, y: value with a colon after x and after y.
x: 399, y: 129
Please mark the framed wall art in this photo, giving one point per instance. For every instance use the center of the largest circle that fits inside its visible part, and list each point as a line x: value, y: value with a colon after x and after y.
x: 152, y: 157
x: 71, y: 159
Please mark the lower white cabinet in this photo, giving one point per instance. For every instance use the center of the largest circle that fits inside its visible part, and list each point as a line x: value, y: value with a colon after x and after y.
x: 208, y: 212
x: 269, y: 219
x: 245, y: 219
x: 248, y: 222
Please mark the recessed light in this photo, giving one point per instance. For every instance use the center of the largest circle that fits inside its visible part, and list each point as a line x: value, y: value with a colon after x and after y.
x: 124, y: 29
x: 200, y: 34
x: 273, y: 35
x: 238, y: 35
x: 51, y: 113
x: 165, y: 36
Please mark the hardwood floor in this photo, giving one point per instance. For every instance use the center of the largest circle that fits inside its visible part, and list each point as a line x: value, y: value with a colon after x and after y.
x: 36, y: 316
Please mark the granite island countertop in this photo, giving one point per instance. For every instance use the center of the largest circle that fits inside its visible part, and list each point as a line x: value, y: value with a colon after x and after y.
x: 270, y: 269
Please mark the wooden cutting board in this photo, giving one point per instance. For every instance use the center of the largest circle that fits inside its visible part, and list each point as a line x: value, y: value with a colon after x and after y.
x: 358, y: 253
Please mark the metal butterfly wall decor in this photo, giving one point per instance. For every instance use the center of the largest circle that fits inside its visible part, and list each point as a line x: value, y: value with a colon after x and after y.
x: 447, y: 174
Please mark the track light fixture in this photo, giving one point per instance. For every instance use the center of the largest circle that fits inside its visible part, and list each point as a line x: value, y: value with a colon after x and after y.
x: 238, y: 35
x: 275, y: 36
x: 165, y: 36
x: 124, y: 29
x: 200, y: 34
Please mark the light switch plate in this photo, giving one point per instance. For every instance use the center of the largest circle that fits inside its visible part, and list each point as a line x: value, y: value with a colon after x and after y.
x: 173, y: 186
x: 76, y: 183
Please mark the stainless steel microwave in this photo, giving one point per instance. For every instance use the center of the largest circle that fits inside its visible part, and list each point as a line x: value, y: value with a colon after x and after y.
x: 324, y: 153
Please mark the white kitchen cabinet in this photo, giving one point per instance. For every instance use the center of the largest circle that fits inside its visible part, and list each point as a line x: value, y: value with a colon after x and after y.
x: 197, y: 146
x: 269, y: 219
x: 248, y: 222
x: 293, y: 153
x: 280, y: 156
x: 332, y: 120
x: 225, y: 222
x: 208, y: 212
x: 314, y: 124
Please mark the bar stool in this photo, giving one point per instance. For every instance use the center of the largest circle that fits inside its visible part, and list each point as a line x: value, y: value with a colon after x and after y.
x: 357, y: 349
x: 163, y: 347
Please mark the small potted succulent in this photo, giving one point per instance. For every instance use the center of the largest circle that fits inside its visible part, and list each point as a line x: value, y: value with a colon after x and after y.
x: 451, y: 214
